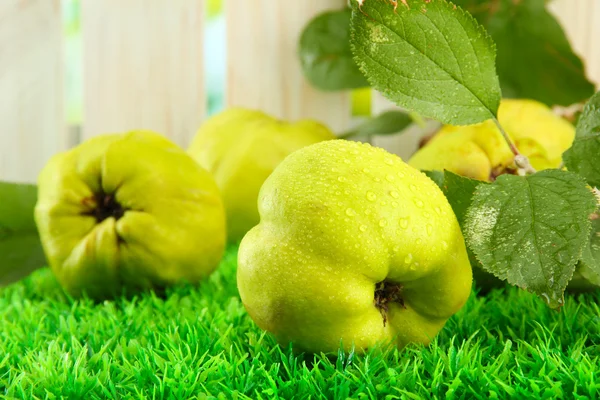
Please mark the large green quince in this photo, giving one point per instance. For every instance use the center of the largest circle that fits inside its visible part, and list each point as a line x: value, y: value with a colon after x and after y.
x: 480, y: 152
x: 241, y: 148
x: 127, y: 212
x: 353, y: 247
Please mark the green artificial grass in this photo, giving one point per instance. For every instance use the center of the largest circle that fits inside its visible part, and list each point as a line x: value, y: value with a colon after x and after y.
x: 200, y: 343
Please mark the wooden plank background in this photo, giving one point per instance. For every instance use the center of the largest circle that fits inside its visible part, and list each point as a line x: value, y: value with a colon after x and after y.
x: 144, y: 68
x: 581, y: 21
x: 31, y: 87
x: 263, y: 70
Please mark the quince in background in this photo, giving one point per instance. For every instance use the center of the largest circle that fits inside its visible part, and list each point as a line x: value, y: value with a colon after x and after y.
x: 480, y: 152
x: 127, y: 212
x: 355, y: 246
x: 241, y: 148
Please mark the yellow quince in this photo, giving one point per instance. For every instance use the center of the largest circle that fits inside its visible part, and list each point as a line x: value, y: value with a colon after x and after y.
x: 241, y: 148
x: 126, y: 212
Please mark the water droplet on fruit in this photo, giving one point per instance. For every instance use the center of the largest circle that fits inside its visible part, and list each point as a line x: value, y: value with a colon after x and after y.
x: 346, y: 161
x: 376, y: 179
x: 429, y: 229
x: 438, y: 210
x: 383, y: 202
x: 363, y: 228
x: 426, y: 214
x: 388, y: 161
x: 366, y: 170
x: 394, y: 194
x: 413, y: 187
x: 396, y: 249
x: 390, y: 178
x: 419, y: 241
x: 394, y: 204
x: 444, y: 245
x: 419, y: 203
x: 400, y: 174
x: 382, y: 222
x: 342, y: 179
x: 404, y: 223
x: 371, y: 196
x: 350, y: 212
x: 408, y: 259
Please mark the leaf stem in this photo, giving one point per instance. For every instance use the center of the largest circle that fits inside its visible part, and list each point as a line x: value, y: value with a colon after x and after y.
x: 521, y: 161
x: 348, y: 134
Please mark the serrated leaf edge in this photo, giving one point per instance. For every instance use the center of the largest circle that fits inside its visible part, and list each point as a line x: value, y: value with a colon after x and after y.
x: 485, y: 34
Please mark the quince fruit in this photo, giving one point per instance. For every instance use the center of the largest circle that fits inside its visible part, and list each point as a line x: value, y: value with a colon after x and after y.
x: 480, y: 152
x: 241, y: 148
x: 128, y: 212
x: 353, y: 246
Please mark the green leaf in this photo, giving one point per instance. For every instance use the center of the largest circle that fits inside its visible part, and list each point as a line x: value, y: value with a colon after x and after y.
x: 535, y: 59
x: 20, y: 245
x: 531, y: 230
x: 436, y: 176
x: 459, y: 191
x: 386, y: 123
x: 429, y: 57
x: 590, y: 257
x: 584, y: 156
x: 325, y: 54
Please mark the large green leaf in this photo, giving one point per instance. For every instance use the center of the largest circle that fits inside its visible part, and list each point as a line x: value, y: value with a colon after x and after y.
x: 325, y: 54
x: 535, y: 59
x: 459, y: 191
x: 427, y: 56
x: 590, y: 257
x: 584, y: 156
x: 20, y: 248
x: 531, y: 230
x: 387, y: 123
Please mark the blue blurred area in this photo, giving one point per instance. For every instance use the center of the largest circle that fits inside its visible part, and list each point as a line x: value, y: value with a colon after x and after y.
x: 215, y: 63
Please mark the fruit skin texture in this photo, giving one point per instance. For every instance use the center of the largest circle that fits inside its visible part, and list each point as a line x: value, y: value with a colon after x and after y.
x: 241, y: 148
x: 172, y: 229
x: 480, y: 152
x: 337, y: 218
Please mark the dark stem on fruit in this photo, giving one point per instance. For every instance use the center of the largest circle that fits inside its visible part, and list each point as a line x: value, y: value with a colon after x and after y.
x: 387, y: 292
x: 107, y: 206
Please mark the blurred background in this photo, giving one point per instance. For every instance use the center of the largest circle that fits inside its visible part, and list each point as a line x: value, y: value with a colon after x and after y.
x: 73, y: 69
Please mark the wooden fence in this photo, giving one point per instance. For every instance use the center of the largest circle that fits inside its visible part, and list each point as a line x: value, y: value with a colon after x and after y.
x: 143, y: 68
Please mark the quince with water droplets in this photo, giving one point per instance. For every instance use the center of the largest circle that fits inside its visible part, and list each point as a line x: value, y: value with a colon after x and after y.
x: 241, y: 148
x: 354, y: 247
x: 127, y: 212
x: 480, y: 152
